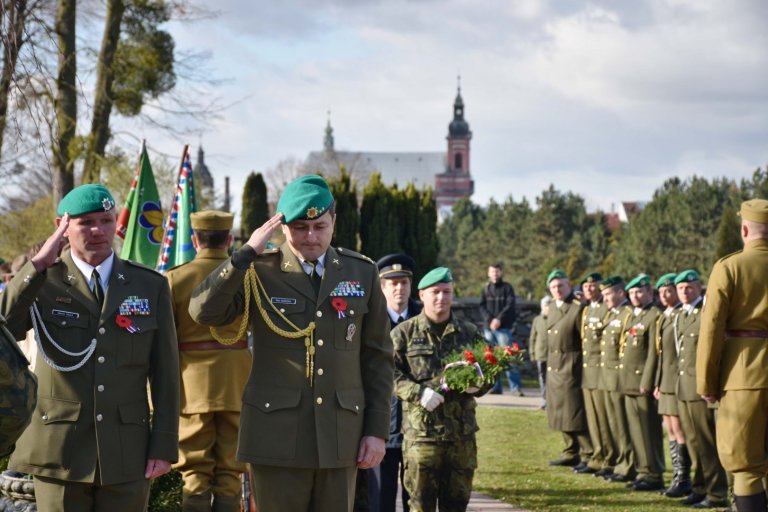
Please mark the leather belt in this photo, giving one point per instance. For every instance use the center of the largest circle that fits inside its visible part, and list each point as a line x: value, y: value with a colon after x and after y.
x: 212, y: 345
x: 746, y: 334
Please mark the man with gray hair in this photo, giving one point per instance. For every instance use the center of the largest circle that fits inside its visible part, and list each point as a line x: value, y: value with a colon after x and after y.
x: 537, y: 347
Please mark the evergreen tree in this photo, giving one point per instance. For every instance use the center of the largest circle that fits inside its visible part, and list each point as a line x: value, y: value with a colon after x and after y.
x: 255, y: 210
x: 728, y: 237
x: 344, y: 191
x: 379, y: 230
x: 428, y: 245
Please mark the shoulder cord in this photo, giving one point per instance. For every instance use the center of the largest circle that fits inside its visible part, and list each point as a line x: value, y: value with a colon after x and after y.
x: 678, y: 338
x: 37, y: 323
x: 623, y: 336
x: 253, y: 285
x: 658, y: 332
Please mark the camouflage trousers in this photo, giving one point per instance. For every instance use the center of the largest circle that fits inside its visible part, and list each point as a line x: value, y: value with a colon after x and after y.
x: 439, y: 472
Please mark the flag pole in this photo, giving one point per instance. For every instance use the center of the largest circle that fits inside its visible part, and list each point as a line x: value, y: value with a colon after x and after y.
x: 172, y: 205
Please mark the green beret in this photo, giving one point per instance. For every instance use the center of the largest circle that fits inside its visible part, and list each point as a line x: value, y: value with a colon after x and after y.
x: 755, y: 210
x: 687, y: 276
x: 305, y: 198
x: 592, y: 277
x: 212, y: 220
x: 434, y: 276
x: 86, y: 199
x: 639, y: 281
x: 556, y: 274
x: 611, y: 281
x: 666, y: 280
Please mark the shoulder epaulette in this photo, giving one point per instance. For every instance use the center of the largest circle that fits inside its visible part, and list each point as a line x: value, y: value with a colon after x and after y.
x: 353, y: 254
x: 142, y: 267
x: 271, y: 250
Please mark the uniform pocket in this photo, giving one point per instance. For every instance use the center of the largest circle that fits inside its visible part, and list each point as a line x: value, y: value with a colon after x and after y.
x: 134, y: 349
x: 269, y: 423
x: 56, y: 420
x: 349, y: 422
x: 423, y: 362
x: 134, y: 436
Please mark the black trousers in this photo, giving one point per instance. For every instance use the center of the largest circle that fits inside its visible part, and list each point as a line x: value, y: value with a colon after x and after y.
x: 382, y: 483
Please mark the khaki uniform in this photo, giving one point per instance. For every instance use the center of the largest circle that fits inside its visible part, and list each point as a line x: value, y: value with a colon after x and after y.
x: 565, y: 402
x: 666, y: 365
x: 92, y: 425
x: 212, y: 383
x: 614, y: 325
x: 439, y: 450
x: 637, y: 368
x: 285, y: 421
x: 697, y: 419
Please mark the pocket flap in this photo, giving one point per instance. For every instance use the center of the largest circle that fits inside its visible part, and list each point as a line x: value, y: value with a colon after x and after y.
x: 134, y: 413
x: 351, y: 399
x: 144, y: 323
x: 53, y: 410
x: 273, y: 399
x: 65, y: 317
x: 424, y: 350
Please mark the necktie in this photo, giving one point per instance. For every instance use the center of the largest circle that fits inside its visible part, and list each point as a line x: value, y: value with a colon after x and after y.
x: 314, y: 277
x: 98, y: 292
x: 400, y: 320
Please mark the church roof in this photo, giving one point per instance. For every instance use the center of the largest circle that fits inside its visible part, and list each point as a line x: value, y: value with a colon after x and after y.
x: 401, y: 167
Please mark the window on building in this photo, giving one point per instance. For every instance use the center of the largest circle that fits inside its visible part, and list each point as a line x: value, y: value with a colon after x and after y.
x: 457, y: 161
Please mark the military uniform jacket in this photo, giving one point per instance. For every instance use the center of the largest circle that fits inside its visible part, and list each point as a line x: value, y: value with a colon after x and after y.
x: 101, y: 410
x: 420, y: 356
x: 610, y: 344
x: 637, y: 366
x: 666, y: 348
x: 592, y: 318
x: 537, y: 341
x: 687, y: 326
x: 284, y: 421
x: 736, y: 300
x: 565, y: 406
x: 211, y: 380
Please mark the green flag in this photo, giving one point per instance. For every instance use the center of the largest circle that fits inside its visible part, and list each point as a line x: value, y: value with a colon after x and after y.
x: 177, y: 245
x: 140, y: 222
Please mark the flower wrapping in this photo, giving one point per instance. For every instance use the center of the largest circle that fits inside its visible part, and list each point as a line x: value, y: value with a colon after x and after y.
x: 478, y: 365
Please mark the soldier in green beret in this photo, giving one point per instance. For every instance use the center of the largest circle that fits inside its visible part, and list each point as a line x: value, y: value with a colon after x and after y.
x: 565, y: 401
x: 317, y: 402
x: 665, y: 385
x: 214, y: 369
x: 439, y: 424
x: 615, y: 299
x: 104, y: 328
x: 637, y: 369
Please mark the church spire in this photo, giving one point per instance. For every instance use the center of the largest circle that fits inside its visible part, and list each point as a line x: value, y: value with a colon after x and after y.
x: 328, y: 141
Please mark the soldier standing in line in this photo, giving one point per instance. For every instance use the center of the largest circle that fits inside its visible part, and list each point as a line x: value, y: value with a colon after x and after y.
x: 105, y: 330
x: 637, y: 369
x: 439, y: 426
x: 592, y: 324
x: 213, y: 376
x: 317, y: 403
x: 710, y: 485
x: 565, y: 402
x: 665, y: 385
x: 537, y: 346
x: 733, y: 354
x: 615, y: 298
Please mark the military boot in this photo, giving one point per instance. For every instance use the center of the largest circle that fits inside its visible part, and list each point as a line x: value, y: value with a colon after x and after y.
x: 196, y: 502
x: 674, y: 454
x: 681, y: 484
x: 752, y: 503
x: 226, y: 503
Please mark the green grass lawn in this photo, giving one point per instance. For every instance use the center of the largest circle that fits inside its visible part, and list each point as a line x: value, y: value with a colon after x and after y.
x: 514, y: 447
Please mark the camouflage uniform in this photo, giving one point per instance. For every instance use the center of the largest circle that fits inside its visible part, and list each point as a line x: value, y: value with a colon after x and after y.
x: 18, y: 391
x: 439, y: 450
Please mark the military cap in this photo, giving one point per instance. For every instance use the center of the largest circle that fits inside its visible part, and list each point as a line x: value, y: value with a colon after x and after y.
x: 395, y: 265
x: 84, y: 199
x: 434, y: 276
x: 639, y: 281
x: 610, y: 282
x: 592, y: 277
x: 212, y: 220
x: 305, y: 198
x: 666, y: 280
x: 687, y: 276
x: 755, y: 210
x: 556, y: 274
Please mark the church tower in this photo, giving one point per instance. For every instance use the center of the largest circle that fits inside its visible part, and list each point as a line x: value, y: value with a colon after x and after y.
x: 456, y: 182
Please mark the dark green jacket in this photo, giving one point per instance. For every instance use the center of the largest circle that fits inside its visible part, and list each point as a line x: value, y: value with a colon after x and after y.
x: 637, y: 366
x: 610, y: 342
x: 592, y: 324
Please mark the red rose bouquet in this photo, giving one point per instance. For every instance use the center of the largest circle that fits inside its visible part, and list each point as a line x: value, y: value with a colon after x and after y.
x: 478, y: 365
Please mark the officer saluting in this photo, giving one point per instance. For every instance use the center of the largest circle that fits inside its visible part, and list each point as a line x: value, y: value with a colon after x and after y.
x: 104, y: 328
x: 317, y: 402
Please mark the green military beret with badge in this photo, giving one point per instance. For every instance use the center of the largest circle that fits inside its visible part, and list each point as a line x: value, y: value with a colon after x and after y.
x: 666, y: 280
x: 687, y: 276
x: 755, y: 210
x: 638, y: 282
x: 556, y: 274
x: 395, y: 265
x: 84, y: 199
x: 434, y: 276
x: 610, y: 282
x: 305, y: 198
x: 212, y: 220
x: 592, y: 277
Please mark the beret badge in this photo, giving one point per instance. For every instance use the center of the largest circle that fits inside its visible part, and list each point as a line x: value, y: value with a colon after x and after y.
x: 107, y: 204
x: 313, y: 212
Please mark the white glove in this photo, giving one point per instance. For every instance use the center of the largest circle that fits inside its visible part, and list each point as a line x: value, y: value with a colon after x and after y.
x: 431, y: 399
x: 471, y: 390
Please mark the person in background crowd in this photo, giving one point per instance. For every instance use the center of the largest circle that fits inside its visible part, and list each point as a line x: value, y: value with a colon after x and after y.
x: 537, y: 346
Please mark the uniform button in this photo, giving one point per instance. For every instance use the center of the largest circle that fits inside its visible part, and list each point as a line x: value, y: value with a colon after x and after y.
x: 99, y: 417
x: 100, y: 387
x: 682, y: 348
x: 584, y: 365
x: 93, y: 340
x: 602, y: 364
x: 682, y: 359
x: 555, y: 331
x: 319, y: 400
x: 266, y: 405
x: 319, y: 343
x: 681, y: 372
x: 282, y: 310
x: 549, y: 331
x: 319, y: 371
x: 637, y: 372
x: 602, y: 343
x: 351, y: 311
x: 357, y: 408
x: 319, y: 314
x: 45, y: 417
x: 63, y: 322
x: 101, y: 359
x: 621, y: 366
x: 102, y: 330
x: 602, y: 352
x: 585, y: 352
x: 549, y: 368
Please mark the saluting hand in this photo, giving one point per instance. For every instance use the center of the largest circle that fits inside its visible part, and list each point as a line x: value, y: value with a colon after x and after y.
x: 261, y: 236
x: 52, y: 247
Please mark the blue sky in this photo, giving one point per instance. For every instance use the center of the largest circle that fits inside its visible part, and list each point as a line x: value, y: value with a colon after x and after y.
x: 604, y: 98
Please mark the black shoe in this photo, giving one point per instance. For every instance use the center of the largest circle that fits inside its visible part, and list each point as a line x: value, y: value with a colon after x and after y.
x: 564, y: 462
x: 645, y: 485
x: 604, y: 472
x: 578, y: 467
x: 619, y: 478
x: 707, y: 503
x: 693, y: 499
x: 586, y: 470
x: 678, y: 490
